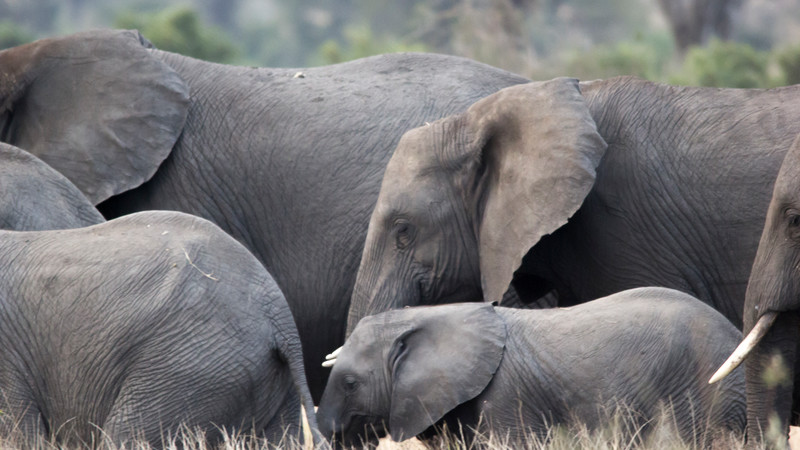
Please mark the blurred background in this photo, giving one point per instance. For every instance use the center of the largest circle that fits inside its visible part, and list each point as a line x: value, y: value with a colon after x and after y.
x: 737, y: 43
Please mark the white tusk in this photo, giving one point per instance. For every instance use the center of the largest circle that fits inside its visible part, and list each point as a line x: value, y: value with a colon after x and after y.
x: 334, y: 354
x: 328, y: 362
x: 747, y: 345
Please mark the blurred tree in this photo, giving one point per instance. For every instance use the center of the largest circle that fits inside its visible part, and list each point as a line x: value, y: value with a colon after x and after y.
x: 179, y: 30
x: 693, y: 22
x: 789, y: 62
x: 492, y: 31
x: 12, y: 35
x: 360, y: 42
x: 724, y: 64
x: 222, y: 12
x: 38, y: 16
x: 645, y: 57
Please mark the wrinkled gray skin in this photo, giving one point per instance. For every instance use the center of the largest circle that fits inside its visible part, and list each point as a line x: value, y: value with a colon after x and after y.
x: 289, y: 166
x: 775, y: 286
x: 644, y: 348
x: 662, y: 185
x: 34, y: 197
x: 139, y: 324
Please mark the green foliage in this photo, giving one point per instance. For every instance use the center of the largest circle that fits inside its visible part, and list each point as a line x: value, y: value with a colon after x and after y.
x: 12, y: 35
x: 645, y: 57
x: 360, y: 42
x: 180, y: 30
x: 789, y: 62
x: 724, y: 64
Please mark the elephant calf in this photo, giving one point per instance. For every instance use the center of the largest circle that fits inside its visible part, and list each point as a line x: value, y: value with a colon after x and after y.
x: 134, y: 327
x: 519, y: 371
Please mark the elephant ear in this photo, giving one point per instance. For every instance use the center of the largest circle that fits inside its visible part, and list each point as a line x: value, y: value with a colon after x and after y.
x: 96, y: 106
x: 448, y: 357
x: 535, y: 149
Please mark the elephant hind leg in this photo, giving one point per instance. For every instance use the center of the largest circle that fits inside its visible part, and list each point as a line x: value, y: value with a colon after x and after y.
x: 21, y: 420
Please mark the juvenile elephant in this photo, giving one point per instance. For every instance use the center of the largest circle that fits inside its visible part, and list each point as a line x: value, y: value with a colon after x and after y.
x: 519, y: 371
x: 35, y: 197
x: 130, y: 328
x: 287, y: 161
x: 579, y: 189
x: 771, y: 309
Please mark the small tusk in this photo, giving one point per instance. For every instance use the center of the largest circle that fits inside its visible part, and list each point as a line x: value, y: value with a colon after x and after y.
x: 328, y: 363
x: 334, y: 354
x: 747, y: 345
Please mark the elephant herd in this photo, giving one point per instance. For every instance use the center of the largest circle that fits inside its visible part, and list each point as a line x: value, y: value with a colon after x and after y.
x: 257, y: 217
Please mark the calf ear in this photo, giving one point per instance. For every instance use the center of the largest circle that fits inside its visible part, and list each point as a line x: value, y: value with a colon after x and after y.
x: 533, y: 149
x: 96, y: 106
x: 446, y: 359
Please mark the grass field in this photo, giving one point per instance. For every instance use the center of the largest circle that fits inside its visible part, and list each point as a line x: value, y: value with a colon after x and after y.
x: 615, y: 436
x: 619, y: 433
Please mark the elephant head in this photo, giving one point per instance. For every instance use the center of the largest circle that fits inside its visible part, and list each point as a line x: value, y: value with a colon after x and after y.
x: 463, y: 199
x: 95, y: 106
x: 771, y: 309
x: 404, y: 370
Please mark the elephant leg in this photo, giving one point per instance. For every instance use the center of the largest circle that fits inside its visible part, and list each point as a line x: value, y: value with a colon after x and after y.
x: 770, y: 377
x: 20, y: 416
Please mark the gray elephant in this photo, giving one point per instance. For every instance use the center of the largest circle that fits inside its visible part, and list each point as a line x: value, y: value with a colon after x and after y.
x: 519, y: 371
x: 771, y: 309
x: 130, y: 328
x: 34, y: 197
x: 287, y: 161
x: 579, y: 189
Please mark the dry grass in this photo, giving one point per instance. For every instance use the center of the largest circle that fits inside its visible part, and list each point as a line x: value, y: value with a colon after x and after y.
x: 618, y: 434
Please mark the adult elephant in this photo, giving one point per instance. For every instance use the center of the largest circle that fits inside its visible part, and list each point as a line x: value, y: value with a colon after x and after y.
x: 133, y: 328
x: 771, y: 309
x: 662, y: 185
x: 287, y: 161
x: 33, y: 196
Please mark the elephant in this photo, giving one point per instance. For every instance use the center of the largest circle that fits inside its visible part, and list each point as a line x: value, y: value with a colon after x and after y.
x: 287, y: 161
x: 578, y: 190
x: 520, y: 371
x: 35, y: 197
x: 135, y: 327
x: 771, y: 309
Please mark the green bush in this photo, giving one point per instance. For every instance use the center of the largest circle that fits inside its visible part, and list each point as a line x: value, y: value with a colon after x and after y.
x: 12, y: 35
x: 789, y: 62
x: 361, y: 42
x: 180, y: 30
x: 645, y: 57
x: 724, y: 64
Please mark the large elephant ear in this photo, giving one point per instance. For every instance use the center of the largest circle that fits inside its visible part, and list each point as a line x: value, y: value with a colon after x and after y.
x: 96, y: 106
x: 536, y: 149
x: 449, y: 356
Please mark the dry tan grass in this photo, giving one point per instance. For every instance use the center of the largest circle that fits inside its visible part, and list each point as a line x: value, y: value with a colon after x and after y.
x: 615, y: 436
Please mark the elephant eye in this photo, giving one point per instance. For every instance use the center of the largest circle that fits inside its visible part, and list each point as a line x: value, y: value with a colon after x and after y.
x: 794, y: 220
x: 404, y: 234
x: 350, y: 384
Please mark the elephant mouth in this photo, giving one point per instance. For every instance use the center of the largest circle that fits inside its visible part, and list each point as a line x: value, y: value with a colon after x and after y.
x: 361, y: 430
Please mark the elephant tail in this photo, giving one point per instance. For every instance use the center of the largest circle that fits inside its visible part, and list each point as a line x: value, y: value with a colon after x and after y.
x: 290, y: 349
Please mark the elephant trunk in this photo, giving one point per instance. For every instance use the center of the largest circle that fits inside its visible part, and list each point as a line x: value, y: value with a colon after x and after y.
x: 769, y: 375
